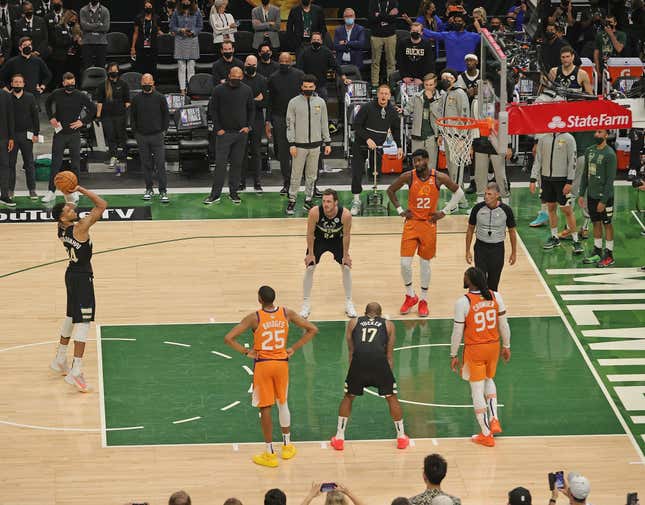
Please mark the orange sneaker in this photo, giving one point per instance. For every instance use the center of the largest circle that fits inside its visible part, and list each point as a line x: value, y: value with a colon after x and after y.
x: 495, y: 427
x: 403, y: 442
x: 410, y: 301
x: 337, y: 443
x: 423, y: 309
x: 484, y: 440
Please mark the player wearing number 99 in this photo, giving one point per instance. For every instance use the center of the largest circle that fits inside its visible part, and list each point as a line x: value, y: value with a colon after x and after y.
x: 74, y: 233
x: 270, y: 327
x: 480, y: 319
x: 370, y: 341
x: 420, y: 228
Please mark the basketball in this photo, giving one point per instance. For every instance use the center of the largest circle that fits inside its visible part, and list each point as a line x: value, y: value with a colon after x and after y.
x: 66, y: 181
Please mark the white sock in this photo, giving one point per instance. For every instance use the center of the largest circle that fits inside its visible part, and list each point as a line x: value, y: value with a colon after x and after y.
x: 347, y: 281
x: 340, y: 430
x: 597, y: 242
x: 400, y: 432
x: 409, y: 290
x: 585, y: 225
x: 308, y: 282
x: 574, y: 235
x: 286, y: 438
x: 357, y: 198
x: 76, y: 365
x: 424, y: 274
x: 406, y: 274
x: 424, y: 294
x: 609, y: 244
x: 543, y: 207
x: 269, y: 448
x: 554, y: 232
x: 479, y: 403
x: 61, y: 354
x: 491, y: 397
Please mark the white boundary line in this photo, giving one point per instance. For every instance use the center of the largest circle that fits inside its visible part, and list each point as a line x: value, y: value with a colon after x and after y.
x: 586, y: 358
x: 230, y: 406
x: 221, y: 354
x: 177, y: 344
x: 99, y: 356
x: 181, y: 421
x: 638, y: 219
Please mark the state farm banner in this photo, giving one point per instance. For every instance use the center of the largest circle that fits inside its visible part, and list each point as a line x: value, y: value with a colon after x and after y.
x: 563, y: 116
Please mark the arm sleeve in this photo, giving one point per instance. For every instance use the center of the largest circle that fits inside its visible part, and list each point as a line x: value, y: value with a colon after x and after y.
x: 11, y: 123
x: 461, y: 311
x: 199, y: 25
x: 250, y: 109
x: 396, y: 126
x: 133, y: 115
x: 325, y: 126
x: 359, y: 125
x: 472, y: 219
x: 583, y: 179
x: 510, y: 217
x: 172, y: 26
x: 165, y: 113
x: 291, y: 123
x: 537, y: 163
x: 504, y: 331
x: 35, y: 120
x: 360, y: 42
x: 610, y: 170
x: 433, y: 35
x: 86, y: 25
x: 105, y: 20
x: 45, y: 73
x: 48, y: 105
x: 571, y: 159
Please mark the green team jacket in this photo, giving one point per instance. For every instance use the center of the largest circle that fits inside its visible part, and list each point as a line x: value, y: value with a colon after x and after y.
x: 599, y: 173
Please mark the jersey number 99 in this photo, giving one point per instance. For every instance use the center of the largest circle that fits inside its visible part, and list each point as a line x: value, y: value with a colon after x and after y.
x: 485, y: 320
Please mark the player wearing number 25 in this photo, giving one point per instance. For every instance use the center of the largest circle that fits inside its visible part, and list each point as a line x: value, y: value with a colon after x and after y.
x: 420, y: 228
x: 270, y: 327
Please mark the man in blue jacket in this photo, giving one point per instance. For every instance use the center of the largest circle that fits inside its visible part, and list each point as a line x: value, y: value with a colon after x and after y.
x: 457, y: 41
x: 349, y: 41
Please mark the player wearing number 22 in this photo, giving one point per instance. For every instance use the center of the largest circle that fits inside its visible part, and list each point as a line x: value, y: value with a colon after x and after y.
x: 480, y: 319
x: 420, y: 228
x: 270, y: 327
x: 74, y: 233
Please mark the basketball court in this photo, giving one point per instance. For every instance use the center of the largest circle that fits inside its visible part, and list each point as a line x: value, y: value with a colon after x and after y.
x: 170, y: 404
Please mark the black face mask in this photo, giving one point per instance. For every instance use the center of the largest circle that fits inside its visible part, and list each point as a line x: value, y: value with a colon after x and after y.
x: 598, y: 140
x: 550, y: 35
x: 444, y: 85
x: 284, y: 67
x: 308, y: 92
x: 17, y: 89
x: 113, y: 75
x: 227, y: 56
x: 235, y: 83
x: 316, y: 45
x: 416, y: 36
x: 265, y: 56
x: 57, y: 7
x: 147, y: 88
x: 70, y: 87
x: 147, y: 10
x: 29, y: 15
x: 494, y: 28
x: 26, y: 50
x: 250, y: 70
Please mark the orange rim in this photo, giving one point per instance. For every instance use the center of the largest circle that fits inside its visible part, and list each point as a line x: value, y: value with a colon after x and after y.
x: 468, y: 123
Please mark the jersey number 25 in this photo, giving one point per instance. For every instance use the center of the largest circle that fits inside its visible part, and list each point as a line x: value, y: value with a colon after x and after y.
x: 273, y: 340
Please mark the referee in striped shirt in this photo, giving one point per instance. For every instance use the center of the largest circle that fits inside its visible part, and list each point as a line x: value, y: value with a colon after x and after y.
x: 489, y: 220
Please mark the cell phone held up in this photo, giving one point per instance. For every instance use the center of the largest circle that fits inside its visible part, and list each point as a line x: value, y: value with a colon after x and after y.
x: 326, y: 487
x: 556, y: 480
x: 632, y: 498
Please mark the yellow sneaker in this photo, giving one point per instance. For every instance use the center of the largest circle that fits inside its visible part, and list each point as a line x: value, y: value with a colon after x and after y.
x: 288, y: 451
x: 266, y: 459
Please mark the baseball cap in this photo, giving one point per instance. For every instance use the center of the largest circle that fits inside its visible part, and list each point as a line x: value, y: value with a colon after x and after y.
x: 579, y: 486
x: 519, y: 496
x: 471, y: 57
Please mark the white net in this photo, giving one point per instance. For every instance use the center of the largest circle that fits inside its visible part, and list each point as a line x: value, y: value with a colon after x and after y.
x: 458, y: 141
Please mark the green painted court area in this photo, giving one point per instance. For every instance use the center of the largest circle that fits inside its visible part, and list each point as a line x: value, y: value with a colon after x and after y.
x: 149, y: 381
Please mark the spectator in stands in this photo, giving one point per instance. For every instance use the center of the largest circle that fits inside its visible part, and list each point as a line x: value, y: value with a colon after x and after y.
x: 185, y: 24
x: 576, y: 489
x: 266, y: 66
x: 519, y: 496
x: 283, y: 86
x: 144, y: 40
x: 372, y: 124
x: 222, y: 22
x: 112, y: 102
x: 31, y: 67
x: 33, y: 27
x: 434, y: 471
x: 401, y: 501
x: 149, y: 119
x: 9, y: 13
x: 415, y: 56
x: 427, y: 17
x: 66, y: 41
x: 495, y: 24
x: 180, y: 498
x: 337, y: 497
x: 318, y: 60
x: 95, y: 24
x: 304, y: 20
x: 232, y: 111
x: 381, y: 17
x: 265, y: 19
x: 5, y: 44
x: 424, y: 115
x: 275, y: 497
x: 550, y: 48
x: 509, y: 21
x: 457, y: 41
x: 610, y: 42
x: 307, y: 132
x: 25, y: 112
x: 350, y: 41
x: 258, y: 85
x: 65, y: 107
x: 53, y: 17
x: 167, y: 12
x: 470, y: 77
x: 7, y: 135
x: 222, y: 67
x: 479, y: 15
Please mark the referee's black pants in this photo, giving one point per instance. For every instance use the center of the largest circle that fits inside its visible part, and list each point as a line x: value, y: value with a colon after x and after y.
x: 490, y: 259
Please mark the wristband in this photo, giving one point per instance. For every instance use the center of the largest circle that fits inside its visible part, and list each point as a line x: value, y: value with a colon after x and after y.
x: 399, y: 210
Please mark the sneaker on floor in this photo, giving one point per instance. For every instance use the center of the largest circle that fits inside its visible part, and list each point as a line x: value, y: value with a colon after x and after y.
x: 577, y: 248
x: 147, y: 196
x: 423, y: 309
x: 257, y: 187
x: 595, y: 257
x: 77, y: 380
x: 59, y: 366
x: 337, y: 443
x: 551, y: 243
x: 113, y: 161
x: 209, y: 200
x: 163, y: 197
x: 317, y: 193
x: 308, y: 205
x: 410, y: 301
x: 607, y: 261
x: 33, y: 195
x: 305, y: 311
x: 241, y: 187
x: 7, y: 201
x: 291, y: 208
x: 356, y: 207
x: 481, y: 439
x: 495, y: 427
x: 266, y: 459
x: 48, y: 197
x: 403, y: 442
x: 642, y: 269
x: 541, y: 219
x: 329, y: 170
x: 565, y: 234
x: 472, y: 188
x: 350, y: 310
x: 284, y: 191
x: 288, y: 451
x: 235, y: 198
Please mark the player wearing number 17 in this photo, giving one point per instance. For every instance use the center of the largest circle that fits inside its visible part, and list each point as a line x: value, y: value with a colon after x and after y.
x: 420, y: 228
x: 270, y: 327
x: 480, y: 319
x: 74, y: 233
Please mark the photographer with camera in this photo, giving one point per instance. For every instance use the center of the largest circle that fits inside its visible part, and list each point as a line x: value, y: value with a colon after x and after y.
x: 575, y: 487
x: 609, y: 42
x: 335, y: 494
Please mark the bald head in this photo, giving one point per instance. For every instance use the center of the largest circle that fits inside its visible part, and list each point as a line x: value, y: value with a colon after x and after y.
x: 250, y: 60
x: 373, y: 309
x: 349, y: 12
x: 284, y: 59
x: 147, y: 79
x: 235, y: 73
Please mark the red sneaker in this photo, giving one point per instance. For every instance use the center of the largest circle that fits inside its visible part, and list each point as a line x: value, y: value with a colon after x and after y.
x: 403, y: 442
x: 337, y: 443
x: 423, y: 309
x: 410, y: 301
x: 495, y: 427
x: 481, y: 439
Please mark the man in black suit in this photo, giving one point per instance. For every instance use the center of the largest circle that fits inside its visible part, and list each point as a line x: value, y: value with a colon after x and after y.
x: 303, y: 21
x: 43, y: 7
x: 6, y: 146
x: 8, y: 16
x: 34, y: 27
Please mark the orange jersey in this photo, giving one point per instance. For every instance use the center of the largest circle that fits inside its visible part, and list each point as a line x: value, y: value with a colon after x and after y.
x: 270, y: 337
x: 423, y: 196
x: 481, y: 325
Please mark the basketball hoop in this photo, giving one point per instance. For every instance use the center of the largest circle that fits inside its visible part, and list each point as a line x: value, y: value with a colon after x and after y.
x: 459, y: 133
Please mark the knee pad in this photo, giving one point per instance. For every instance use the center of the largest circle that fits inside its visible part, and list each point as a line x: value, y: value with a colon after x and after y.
x: 82, y: 329
x: 66, y: 329
x: 284, y: 416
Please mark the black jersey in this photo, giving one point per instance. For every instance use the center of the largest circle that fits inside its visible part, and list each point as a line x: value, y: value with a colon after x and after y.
x: 567, y: 81
x: 80, y: 253
x: 370, y: 336
x: 470, y: 82
x: 329, y: 229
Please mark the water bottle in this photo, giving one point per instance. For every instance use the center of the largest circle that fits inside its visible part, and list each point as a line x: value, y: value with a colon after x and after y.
x: 389, y: 140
